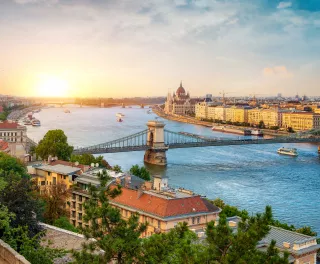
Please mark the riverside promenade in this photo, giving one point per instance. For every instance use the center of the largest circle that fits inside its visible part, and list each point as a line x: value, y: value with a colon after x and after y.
x: 191, y: 120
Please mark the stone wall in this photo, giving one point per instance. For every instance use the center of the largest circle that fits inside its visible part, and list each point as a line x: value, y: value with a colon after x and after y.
x: 10, y: 256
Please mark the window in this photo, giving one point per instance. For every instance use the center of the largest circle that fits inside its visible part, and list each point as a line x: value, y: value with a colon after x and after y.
x: 80, y: 224
x: 73, y: 214
x: 74, y: 222
x: 193, y: 220
x: 73, y: 205
x: 80, y: 198
x: 79, y: 216
x: 73, y: 196
x: 54, y: 180
x: 198, y: 220
x: 49, y: 173
x: 159, y: 224
x: 80, y: 207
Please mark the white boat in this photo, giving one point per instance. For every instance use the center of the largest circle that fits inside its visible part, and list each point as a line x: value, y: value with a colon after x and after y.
x: 119, y: 119
x: 149, y: 112
x: 257, y: 132
x: 35, y: 122
x: 288, y: 151
x: 67, y: 111
x: 119, y: 115
x: 27, y: 122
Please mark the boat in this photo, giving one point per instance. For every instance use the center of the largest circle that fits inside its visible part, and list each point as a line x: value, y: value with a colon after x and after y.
x: 119, y: 115
x: 257, y: 132
x: 288, y: 151
x: 27, y: 122
x: 35, y: 122
x: 225, y: 129
x: 149, y: 112
x: 67, y: 111
x: 119, y: 119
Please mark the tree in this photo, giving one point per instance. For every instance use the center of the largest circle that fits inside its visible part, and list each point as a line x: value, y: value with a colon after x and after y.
x: 261, y: 125
x: 5, y: 218
x: 226, y: 246
x: 290, y: 130
x: 64, y: 223
x: 119, y: 239
x: 179, y: 245
x: 116, y: 168
x: 11, y: 165
x: 30, y: 247
x: 21, y: 200
x: 140, y: 172
x: 54, y: 143
x: 55, y: 198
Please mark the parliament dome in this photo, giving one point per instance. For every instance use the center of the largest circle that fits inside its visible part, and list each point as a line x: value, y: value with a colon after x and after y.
x: 181, y: 90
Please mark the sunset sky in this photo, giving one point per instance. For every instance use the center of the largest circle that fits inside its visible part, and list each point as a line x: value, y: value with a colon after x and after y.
x: 116, y: 48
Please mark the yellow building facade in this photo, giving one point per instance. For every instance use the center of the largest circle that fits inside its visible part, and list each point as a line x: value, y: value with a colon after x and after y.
x: 301, y: 120
x: 270, y: 117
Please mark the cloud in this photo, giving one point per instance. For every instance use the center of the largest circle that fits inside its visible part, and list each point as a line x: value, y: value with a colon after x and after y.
x: 23, y: 2
x: 283, y: 5
x: 280, y: 71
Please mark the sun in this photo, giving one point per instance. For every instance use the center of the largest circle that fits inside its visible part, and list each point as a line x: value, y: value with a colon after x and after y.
x: 50, y: 86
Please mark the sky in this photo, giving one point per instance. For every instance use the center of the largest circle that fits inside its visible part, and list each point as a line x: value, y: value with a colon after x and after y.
x: 117, y: 48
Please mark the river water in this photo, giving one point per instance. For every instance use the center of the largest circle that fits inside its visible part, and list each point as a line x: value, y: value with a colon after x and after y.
x: 250, y: 177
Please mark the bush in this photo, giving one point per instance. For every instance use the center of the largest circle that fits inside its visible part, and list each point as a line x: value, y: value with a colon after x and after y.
x: 63, y: 222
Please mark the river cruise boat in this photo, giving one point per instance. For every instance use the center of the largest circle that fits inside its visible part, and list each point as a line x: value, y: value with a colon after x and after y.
x: 67, y: 111
x: 35, y: 122
x: 257, y: 132
x: 225, y: 129
x: 288, y: 151
x: 27, y: 122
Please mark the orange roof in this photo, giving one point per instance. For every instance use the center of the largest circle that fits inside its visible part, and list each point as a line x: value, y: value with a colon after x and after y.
x: 161, y: 206
x: 9, y: 125
x: 3, y: 145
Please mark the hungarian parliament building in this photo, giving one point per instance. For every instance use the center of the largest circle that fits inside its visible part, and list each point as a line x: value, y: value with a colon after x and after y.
x: 180, y: 103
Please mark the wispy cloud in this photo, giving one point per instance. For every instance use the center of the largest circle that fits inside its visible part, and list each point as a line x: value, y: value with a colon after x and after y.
x: 280, y: 71
x: 283, y: 5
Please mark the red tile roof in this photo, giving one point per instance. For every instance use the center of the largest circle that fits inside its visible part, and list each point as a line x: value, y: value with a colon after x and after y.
x: 9, y: 125
x: 161, y: 206
x: 3, y: 145
x: 1, y: 108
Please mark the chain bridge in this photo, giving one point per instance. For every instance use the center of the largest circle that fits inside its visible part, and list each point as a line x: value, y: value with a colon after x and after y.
x: 155, y: 141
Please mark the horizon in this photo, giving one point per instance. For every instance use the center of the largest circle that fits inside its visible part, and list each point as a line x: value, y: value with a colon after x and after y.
x: 68, y: 49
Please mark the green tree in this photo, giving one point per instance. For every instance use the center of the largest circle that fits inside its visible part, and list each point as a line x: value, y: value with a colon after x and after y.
x: 30, y: 247
x: 5, y: 218
x: 20, y: 198
x: 54, y: 143
x: 10, y: 165
x: 179, y: 245
x: 119, y: 239
x: 226, y: 246
x: 261, y: 125
x: 64, y: 223
x: 140, y: 172
x: 116, y: 168
x: 290, y: 130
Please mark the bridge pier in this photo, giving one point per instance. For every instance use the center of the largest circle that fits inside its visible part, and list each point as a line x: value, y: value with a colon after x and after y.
x: 156, y: 154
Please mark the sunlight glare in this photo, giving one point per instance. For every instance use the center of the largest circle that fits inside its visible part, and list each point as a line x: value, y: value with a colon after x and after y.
x: 49, y: 86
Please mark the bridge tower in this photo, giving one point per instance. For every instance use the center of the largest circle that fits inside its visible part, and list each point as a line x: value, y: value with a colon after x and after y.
x: 156, y: 154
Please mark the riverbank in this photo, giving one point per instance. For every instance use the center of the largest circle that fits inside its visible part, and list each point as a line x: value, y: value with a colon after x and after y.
x: 17, y: 114
x: 228, y: 128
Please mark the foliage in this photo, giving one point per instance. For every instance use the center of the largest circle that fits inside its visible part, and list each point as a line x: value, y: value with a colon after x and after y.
x: 20, y: 198
x: 119, y: 239
x: 5, y: 218
x: 290, y: 130
x: 140, y: 172
x: 63, y: 222
x: 10, y: 165
x: 86, y: 159
x: 31, y: 248
x: 54, y: 143
x: 179, y: 245
x: 55, y: 197
x: 117, y: 168
x: 226, y: 246
x: 274, y: 127
x: 261, y: 125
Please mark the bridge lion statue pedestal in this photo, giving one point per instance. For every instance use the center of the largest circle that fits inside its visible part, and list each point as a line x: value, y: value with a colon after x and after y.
x: 156, y: 153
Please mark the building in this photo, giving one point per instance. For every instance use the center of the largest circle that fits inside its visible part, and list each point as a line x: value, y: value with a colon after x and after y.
x: 162, y: 207
x: 180, y: 103
x: 301, y: 248
x: 271, y: 117
x: 299, y: 120
x: 13, y: 132
x: 220, y: 113
x: 236, y: 114
x: 46, y: 175
x: 4, y: 146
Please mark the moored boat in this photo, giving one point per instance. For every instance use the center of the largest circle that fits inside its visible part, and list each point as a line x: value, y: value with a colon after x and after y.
x: 27, y: 122
x: 35, y: 122
x: 67, y: 111
x: 119, y: 115
x: 245, y: 132
x: 288, y: 151
x: 257, y: 132
x: 119, y: 119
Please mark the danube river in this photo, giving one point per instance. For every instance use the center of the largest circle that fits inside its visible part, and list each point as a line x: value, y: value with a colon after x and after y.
x: 250, y: 177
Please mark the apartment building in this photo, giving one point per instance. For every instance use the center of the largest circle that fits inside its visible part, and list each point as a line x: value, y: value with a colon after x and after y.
x: 159, y: 205
x: 270, y: 117
x: 13, y: 132
x: 299, y: 120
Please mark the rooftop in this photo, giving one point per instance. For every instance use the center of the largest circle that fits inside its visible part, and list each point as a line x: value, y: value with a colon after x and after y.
x: 10, y: 125
x: 61, y: 169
